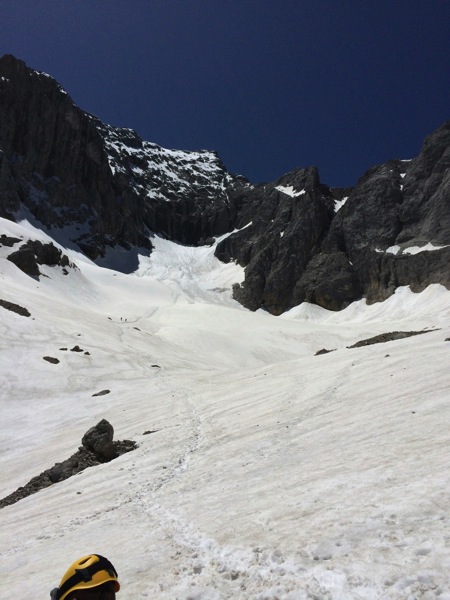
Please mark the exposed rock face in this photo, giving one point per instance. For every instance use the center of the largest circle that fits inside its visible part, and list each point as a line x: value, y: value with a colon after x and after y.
x: 298, y: 249
x: 109, y: 186
x: 95, y: 186
x: 184, y: 195
x: 52, y: 157
x: 396, y: 209
x: 283, y: 225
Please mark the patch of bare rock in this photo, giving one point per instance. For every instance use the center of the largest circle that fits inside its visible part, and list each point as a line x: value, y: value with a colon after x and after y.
x: 51, y: 359
x: 97, y: 447
x: 388, y: 337
x: 379, y: 339
x: 20, y: 310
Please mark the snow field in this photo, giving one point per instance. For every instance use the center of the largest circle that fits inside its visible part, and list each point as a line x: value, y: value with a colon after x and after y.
x: 271, y: 473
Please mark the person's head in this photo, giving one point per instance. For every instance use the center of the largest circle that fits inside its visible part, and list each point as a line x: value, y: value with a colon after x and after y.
x: 91, y: 577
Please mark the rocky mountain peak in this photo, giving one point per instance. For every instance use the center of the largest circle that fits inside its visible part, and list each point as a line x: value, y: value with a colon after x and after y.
x: 94, y: 186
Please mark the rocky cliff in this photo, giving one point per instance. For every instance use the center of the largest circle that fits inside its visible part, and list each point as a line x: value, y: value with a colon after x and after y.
x: 96, y: 186
x: 305, y: 243
x: 102, y: 185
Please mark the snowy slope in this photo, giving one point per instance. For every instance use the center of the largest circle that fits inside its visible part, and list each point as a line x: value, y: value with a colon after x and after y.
x: 273, y: 472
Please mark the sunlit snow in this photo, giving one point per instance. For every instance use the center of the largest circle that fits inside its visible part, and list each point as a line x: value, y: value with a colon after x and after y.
x: 426, y: 248
x: 290, y: 191
x: 273, y: 472
x: 429, y: 247
x: 338, y: 204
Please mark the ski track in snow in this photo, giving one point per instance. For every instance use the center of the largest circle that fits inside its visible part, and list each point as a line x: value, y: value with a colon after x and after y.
x: 272, y: 473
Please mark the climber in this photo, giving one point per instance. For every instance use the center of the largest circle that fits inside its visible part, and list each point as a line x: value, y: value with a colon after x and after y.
x: 92, y: 577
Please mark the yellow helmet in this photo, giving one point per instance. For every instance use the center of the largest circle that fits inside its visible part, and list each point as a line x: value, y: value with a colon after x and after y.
x: 87, y: 572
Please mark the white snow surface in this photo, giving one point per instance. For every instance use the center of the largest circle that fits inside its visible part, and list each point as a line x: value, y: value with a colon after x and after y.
x: 290, y: 191
x: 272, y: 472
x: 338, y: 204
x: 428, y: 247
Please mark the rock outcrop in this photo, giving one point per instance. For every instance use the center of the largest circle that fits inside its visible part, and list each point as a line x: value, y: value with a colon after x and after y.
x: 97, y: 448
x: 282, y: 226
x: 392, y: 230
x: 94, y: 185
x: 34, y: 253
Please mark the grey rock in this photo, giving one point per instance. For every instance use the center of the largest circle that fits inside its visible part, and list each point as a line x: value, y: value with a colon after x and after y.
x: 51, y: 359
x: 34, y: 253
x: 99, y: 439
x: 16, y: 308
x: 324, y: 351
x: 388, y: 337
x: 82, y: 459
x: 8, y: 241
x: 284, y: 234
x: 25, y: 260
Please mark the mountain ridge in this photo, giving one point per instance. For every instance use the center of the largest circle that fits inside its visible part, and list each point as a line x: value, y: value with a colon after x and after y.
x: 100, y: 186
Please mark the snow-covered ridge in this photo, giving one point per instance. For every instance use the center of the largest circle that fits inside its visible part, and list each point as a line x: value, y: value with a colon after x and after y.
x: 159, y: 172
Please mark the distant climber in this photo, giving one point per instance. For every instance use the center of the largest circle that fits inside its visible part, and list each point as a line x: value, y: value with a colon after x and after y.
x: 91, y: 577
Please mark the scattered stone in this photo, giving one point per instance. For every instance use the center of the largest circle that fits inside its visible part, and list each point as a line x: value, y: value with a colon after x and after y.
x: 87, y: 353
x: 76, y: 349
x: 324, y: 351
x: 148, y: 432
x: 15, y: 308
x: 64, y: 349
x: 156, y: 366
x: 51, y: 359
x: 102, y: 393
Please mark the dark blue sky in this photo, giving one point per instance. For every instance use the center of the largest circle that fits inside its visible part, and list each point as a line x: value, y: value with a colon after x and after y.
x: 270, y: 84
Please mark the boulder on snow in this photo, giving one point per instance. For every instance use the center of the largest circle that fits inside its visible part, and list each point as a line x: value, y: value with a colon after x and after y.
x: 82, y: 459
x: 99, y: 439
